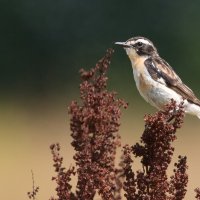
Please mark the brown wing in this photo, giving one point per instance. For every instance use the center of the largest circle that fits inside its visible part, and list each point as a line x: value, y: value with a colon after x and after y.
x: 159, y: 68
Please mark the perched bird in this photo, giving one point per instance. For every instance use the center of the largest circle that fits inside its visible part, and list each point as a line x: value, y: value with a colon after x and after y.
x: 155, y: 79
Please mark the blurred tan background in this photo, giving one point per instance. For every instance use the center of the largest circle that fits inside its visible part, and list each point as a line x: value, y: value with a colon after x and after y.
x: 43, y: 45
x: 27, y: 133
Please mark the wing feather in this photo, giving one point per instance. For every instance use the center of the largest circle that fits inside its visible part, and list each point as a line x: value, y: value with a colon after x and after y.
x: 159, y: 68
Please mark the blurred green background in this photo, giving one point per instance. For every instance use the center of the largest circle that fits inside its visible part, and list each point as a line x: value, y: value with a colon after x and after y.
x: 43, y: 44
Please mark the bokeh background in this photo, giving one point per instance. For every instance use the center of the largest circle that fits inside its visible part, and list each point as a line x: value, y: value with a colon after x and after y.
x: 44, y: 43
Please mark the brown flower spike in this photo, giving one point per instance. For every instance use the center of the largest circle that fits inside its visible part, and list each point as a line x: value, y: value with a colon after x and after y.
x: 156, y: 153
x: 94, y: 129
x: 94, y: 126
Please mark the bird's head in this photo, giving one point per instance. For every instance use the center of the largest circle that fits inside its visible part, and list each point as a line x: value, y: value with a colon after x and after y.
x: 138, y: 47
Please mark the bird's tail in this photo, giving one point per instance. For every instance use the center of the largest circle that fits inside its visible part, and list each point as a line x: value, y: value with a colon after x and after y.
x: 193, y: 109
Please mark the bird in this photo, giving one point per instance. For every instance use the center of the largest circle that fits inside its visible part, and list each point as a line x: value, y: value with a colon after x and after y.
x: 155, y: 79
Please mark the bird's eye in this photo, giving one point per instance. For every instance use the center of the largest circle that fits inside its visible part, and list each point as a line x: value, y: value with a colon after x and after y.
x: 139, y: 44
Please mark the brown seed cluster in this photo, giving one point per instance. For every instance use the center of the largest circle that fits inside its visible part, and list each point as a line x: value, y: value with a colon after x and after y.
x: 35, y: 189
x: 179, y: 180
x: 156, y: 151
x: 33, y: 193
x: 94, y: 125
x: 94, y: 129
x: 63, y: 176
x: 197, y: 190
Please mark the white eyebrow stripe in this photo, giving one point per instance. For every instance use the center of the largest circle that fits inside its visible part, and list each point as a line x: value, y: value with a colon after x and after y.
x: 143, y: 41
x: 139, y: 40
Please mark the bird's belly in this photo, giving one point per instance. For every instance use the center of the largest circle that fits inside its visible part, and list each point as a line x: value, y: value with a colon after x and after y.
x: 157, y: 94
x: 161, y: 95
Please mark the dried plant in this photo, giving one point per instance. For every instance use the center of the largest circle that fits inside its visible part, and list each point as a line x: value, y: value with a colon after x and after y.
x: 35, y: 190
x: 156, y: 151
x: 179, y: 180
x: 94, y: 128
x: 63, y: 177
x: 94, y: 125
x: 197, y: 190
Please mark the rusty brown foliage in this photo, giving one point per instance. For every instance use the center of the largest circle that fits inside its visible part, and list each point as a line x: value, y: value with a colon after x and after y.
x: 63, y: 177
x: 94, y: 129
x: 94, y: 126
x: 155, y: 150
x: 179, y: 180
x: 35, y: 189
x: 197, y: 191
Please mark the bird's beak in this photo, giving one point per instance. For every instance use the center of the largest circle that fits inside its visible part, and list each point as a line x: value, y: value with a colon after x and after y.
x: 123, y: 44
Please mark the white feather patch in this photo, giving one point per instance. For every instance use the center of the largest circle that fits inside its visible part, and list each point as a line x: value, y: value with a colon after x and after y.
x: 139, y: 40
